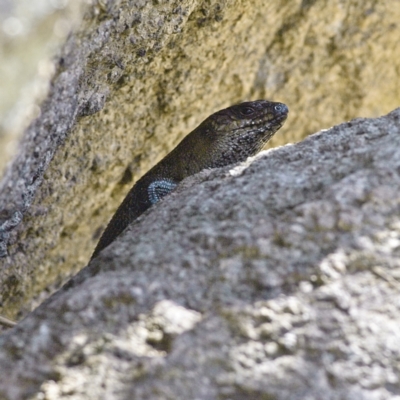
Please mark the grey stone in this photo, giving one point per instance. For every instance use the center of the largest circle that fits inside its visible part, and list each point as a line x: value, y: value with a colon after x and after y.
x: 275, y: 279
x: 136, y: 76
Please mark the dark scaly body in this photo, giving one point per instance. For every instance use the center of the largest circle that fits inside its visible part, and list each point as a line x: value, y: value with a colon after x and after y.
x: 227, y: 137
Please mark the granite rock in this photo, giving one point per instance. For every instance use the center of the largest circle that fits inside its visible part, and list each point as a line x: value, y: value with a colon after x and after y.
x: 278, y: 279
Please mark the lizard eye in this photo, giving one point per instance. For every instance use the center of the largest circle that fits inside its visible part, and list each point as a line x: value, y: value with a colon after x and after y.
x: 246, y: 111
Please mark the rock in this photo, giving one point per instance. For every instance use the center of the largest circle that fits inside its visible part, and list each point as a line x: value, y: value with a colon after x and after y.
x: 274, y: 279
x: 138, y: 76
x: 31, y: 34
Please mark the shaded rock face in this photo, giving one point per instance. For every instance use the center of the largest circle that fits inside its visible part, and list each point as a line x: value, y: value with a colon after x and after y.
x: 278, y: 278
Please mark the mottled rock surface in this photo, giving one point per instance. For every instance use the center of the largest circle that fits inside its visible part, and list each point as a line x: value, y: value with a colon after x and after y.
x: 276, y: 279
x: 31, y: 33
x: 138, y: 75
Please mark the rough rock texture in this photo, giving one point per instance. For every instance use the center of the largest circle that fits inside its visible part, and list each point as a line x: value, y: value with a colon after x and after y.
x: 139, y: 75
x: 31, y: 33
x: 278, y: 279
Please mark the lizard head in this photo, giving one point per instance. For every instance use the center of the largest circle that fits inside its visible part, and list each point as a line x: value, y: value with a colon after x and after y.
x: 240, y: 131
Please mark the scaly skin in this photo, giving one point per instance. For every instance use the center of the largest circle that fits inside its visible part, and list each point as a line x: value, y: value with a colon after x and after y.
x: 227, y: 137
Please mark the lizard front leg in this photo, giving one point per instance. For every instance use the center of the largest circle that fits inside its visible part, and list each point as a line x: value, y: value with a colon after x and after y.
x: 159, y: 188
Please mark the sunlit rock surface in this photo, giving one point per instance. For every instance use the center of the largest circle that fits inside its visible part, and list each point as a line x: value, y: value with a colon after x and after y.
x: 277, y: 279
x: 137, y: 76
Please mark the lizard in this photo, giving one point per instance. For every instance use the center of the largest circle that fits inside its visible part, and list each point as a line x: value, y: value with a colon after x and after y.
x: 227, y: 137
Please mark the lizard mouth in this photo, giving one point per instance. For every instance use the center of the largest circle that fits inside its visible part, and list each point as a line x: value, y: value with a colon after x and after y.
x: 268, y: 129
x: 275, y: 122
x: 282, y: 116
x: 278, y: 121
